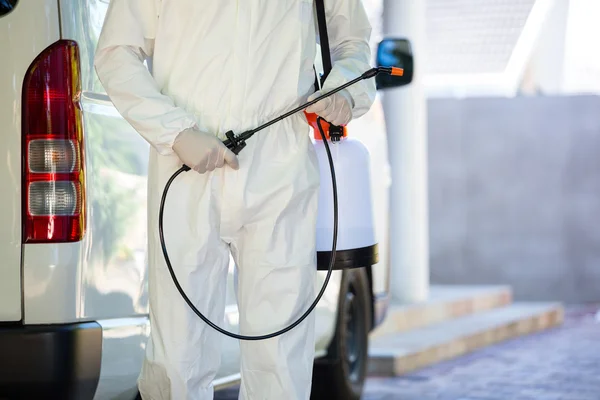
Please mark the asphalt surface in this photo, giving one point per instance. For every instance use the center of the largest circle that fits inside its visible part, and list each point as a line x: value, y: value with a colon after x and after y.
x: 558, y: 364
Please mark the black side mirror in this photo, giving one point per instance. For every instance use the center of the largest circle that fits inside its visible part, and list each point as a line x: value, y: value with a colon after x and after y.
x: 394, y: 53
x: 7, y: 6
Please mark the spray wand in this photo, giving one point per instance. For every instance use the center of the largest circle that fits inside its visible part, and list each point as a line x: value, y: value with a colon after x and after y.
x: 236, y: 143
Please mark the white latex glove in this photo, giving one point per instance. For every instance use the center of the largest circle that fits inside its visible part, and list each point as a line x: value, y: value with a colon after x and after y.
x: 202, y: 151
x: 335, y: 109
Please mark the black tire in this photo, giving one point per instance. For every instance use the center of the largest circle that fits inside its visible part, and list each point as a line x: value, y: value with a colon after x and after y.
x: 342, y: 373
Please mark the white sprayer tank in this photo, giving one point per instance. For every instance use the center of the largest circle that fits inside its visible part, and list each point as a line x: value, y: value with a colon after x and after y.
x: 356, y: 244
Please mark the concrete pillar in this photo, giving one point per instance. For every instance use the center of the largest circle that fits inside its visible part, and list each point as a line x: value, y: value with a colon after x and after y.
x: 406, y: 120
x: 549, y: 57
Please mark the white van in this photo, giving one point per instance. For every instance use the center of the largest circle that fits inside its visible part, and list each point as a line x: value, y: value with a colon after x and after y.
x: 73, y: 286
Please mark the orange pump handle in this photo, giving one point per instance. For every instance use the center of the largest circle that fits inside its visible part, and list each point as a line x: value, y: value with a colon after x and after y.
x: 312, y: 121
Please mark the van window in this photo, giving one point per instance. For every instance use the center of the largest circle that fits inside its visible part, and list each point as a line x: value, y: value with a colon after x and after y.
x: 82, y: 21
x: 7, y: 6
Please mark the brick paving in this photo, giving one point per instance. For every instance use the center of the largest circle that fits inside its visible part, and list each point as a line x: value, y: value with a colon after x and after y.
x: 559, y: 364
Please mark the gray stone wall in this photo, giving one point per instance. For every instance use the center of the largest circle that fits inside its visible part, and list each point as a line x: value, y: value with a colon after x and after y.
x: 514, y: 194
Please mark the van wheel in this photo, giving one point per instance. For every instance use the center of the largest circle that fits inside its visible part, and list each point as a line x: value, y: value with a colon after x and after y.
x: 342, y: 373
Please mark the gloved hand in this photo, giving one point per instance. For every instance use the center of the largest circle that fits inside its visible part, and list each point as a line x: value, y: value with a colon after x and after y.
x: 335, y: 109
x: 202, y: 151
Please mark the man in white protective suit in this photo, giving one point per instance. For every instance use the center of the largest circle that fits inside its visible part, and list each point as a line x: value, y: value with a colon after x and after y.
x: 219, y: 65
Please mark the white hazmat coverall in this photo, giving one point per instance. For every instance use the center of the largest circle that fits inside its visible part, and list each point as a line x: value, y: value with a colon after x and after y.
x: 221, y: 65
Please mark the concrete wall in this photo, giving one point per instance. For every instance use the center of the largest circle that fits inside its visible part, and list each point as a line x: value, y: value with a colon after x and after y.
x: 514, y: 194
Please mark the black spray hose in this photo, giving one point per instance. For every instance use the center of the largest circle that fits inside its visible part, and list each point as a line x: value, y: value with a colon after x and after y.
x: 236, y: 143
x: 185, y: 168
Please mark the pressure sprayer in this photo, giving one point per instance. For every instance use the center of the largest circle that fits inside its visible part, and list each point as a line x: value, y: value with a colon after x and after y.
x: 355, y: 154
x: 236, y: 143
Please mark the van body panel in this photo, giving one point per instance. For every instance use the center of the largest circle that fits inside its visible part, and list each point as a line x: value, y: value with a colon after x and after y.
x: 25, y: 31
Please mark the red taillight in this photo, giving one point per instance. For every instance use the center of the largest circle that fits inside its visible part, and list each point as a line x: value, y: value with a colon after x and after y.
x: 53, y: 164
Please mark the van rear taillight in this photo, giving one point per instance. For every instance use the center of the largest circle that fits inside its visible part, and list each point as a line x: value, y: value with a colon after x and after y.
x: 53, y: 163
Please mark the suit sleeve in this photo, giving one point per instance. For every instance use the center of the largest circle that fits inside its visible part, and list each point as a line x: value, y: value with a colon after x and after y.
x: 349, y: 32
x: 125, y: 42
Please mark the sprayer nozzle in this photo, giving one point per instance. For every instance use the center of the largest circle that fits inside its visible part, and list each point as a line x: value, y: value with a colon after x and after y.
x: 393, y: 71
x: 397, y: 71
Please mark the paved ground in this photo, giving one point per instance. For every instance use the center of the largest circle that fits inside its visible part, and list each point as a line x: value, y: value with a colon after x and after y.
x: 560, y: 364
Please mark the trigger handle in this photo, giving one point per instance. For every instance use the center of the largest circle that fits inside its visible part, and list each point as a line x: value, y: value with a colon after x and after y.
x: 233, y: 143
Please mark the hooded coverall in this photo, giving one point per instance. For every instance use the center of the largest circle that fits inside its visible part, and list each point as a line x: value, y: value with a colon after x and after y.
x: 225, y: 65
